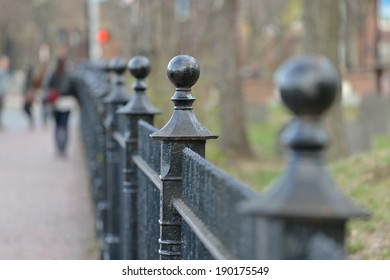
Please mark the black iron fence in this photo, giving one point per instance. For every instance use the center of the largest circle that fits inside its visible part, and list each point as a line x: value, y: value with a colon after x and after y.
x: 157, y: 197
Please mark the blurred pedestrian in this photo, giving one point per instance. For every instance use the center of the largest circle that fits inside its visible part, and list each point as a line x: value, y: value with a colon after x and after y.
x: 4, y: 81
x: 59, y: 93
x: 32, y: 88
x: 29, y: 92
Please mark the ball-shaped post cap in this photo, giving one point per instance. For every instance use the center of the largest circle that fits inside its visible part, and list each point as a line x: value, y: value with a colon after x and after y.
x: 308, y: 84
x: 118, y: 65
x: 139, y: 67
x: 183, y: 71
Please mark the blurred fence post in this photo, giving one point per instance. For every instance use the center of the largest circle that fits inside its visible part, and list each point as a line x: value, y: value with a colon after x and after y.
x: 138, y: 108
x: 182, y: 130
x: 100, y: 195
x: 304, y: 215
x: 113, y: 101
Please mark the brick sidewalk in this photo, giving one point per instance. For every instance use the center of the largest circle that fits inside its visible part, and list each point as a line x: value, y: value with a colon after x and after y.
x: 45, y: 205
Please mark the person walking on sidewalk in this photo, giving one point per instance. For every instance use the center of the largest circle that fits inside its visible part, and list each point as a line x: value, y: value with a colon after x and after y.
x: 28, y: 92
x: 4, y: 81
x: 60, y: 94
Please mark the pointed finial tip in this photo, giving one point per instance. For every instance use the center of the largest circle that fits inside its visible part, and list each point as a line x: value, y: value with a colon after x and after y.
x: 139, y: 67
x: 183, y: 71
x: 308, y: 84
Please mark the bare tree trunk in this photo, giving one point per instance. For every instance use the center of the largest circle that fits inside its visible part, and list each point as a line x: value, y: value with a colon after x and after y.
x: 233, y: 137
x: 321, y: 36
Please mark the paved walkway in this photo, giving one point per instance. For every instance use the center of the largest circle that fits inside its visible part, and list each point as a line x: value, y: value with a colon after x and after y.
x: 45, y: 205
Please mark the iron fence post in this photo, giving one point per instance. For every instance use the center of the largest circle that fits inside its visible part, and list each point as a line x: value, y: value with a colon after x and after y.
x: 304, y: 214
x: 138, y: 108
x: 113, y: 101
x: 182, y: 130
x: 100, y: 155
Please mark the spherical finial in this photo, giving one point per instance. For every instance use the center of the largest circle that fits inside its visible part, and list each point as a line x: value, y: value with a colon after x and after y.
x: 308, y: 84
x: 118, y: 65
x: 139, y: 67
x: 183, y: 71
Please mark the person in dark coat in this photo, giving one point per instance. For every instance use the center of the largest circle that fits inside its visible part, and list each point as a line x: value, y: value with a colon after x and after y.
x: 59, y: 94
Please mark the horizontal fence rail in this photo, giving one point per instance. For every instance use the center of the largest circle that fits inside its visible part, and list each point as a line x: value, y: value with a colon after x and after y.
x: 157, y: 197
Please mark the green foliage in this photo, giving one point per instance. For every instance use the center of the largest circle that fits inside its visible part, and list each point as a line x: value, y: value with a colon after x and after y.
x: 380, y: 142
x: 350, y: 113
x: 291, y: 12
x: 260, y: 172
x: 365, y: 179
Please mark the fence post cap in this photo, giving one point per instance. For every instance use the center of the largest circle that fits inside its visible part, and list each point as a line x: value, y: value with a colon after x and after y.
x: 139, y: 67
x: 117, y: 94
x: 305, y: 190
x: 308, y: 84
x: 183, y: 71
x: 103, y: 79
x: 118, y: 65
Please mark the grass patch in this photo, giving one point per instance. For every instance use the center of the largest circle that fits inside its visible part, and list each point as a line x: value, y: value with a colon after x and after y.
x: 350, y: 113
x: 365, y: 179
